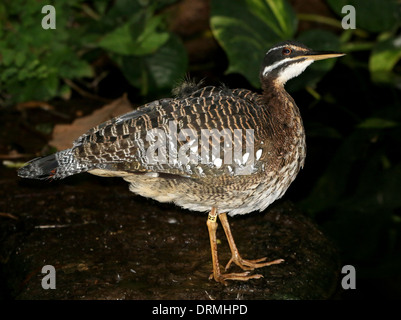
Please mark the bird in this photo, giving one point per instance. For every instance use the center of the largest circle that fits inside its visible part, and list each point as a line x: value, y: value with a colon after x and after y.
x: 209, y: 149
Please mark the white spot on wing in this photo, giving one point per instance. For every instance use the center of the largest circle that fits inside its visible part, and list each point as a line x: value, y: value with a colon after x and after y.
x: 152, y: 174
x: 245, y: 158
x: 218, y: 162
x: 258, y: 154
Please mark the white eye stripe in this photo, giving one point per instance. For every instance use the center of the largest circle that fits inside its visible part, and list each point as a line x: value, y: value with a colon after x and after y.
x: 268, y: 69
x: 293, y: 71
x: 285, y: 46
x: 276, y: 48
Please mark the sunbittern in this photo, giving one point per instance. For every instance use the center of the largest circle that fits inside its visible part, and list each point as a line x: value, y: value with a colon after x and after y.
x: 169, y: 149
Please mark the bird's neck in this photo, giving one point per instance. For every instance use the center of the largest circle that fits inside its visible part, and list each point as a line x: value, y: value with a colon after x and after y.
x: 283, y: 114
x: 278, y: 102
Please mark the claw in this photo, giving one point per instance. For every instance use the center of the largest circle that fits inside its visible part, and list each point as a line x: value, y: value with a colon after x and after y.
x: 244, y: 264
x: 244, y: 276
x: 251, y: 264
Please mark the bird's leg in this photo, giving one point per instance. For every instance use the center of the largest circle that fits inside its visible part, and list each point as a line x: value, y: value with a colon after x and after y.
x: 217, y: 275
x: 236, y: 258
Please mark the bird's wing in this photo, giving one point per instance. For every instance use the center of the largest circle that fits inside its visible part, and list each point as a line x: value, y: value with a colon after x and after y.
x: 170, y: 136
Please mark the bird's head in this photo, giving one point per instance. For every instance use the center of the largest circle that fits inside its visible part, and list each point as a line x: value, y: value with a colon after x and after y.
x: 289, y: 59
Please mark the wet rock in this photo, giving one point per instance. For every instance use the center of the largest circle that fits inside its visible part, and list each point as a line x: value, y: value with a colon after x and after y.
x: 106, y: 243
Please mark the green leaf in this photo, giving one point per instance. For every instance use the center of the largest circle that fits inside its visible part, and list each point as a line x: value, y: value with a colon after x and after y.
x: 135, y: 39
x: 377, y: 123
x: 371, y: 15
x: 150, y: 40
x: 7, y: 57
x: 9, y: 72
x: 383, y: 58
x: 278, y: 15
x: 385, y: 55
x: 119, y: 41
x: 76, y: 69
x: 20, y: 58
x: 34, y: 88
x: 158, y: 71
x: 32, y: 59
x: 247, y: 29
x: 168, y: 65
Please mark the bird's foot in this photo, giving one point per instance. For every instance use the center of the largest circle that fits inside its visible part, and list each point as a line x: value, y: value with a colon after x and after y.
x: 251, y: 264
x: 244, y: 276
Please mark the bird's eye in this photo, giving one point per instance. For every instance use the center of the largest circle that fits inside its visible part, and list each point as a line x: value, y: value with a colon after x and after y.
x: 286, y: 51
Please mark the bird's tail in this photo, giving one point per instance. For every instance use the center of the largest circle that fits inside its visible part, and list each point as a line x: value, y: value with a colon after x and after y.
x: 56, y: 166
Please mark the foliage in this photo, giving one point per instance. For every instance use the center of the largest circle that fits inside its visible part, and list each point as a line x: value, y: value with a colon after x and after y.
x: 352, y: 177
x: 354, y: 166
x: 34, y: 61
x: 151, y: 57
x: 246, y: 28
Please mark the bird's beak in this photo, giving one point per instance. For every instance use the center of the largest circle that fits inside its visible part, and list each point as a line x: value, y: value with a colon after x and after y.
x: 321, y: 55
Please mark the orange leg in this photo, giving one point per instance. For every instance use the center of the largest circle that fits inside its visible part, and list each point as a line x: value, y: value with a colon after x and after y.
x: 217, y: 275
x: 236, y: 258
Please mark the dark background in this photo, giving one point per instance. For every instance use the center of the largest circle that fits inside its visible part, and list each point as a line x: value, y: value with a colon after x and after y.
x: 351, y: 108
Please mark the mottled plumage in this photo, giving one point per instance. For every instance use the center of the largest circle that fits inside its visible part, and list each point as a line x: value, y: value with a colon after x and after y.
x: 263, y: 134
x: 118, y: 148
